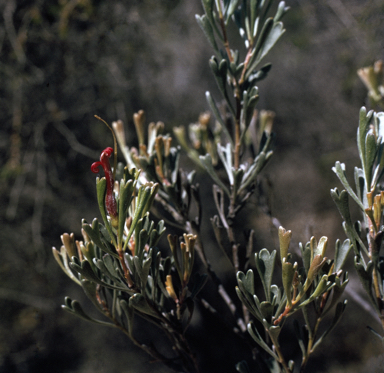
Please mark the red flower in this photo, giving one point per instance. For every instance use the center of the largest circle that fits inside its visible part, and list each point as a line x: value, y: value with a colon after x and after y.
x: 110, y: 200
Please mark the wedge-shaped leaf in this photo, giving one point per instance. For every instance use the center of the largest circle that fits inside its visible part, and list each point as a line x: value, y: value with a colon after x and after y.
x: 270, y: 34
x: 259, y: 340
x: 339, y: 170
x: 143, y: 198
x: 249, y: 303
x: 126, y: 196
x: 250, y: 176
x: 361, y: 189
x: 101, y: 187
x: 273, y: 331
x: 265, y: 264
x: 85, y: 270
x: 281, y: 10
x: 266, y: 309
x: 376, y: 334
x: 260, y: 74
x: 90, y: 291
x: 242, y: 367
x: 231, y: 9
x: 364, y: 120
x: 276, y: 295
x: 306, y: 255
x: 206, y: 160
x: 146, y: 268
x: 64, y: 263
x: 100, y: 264
x: 284, y: 240
x: 322, y: 287
x: 341, y: 253
x: 288, y: 272
x: 129, y: 314
x: 365, y: 275
x: 225, y: 154
x: 299, y: 332
x: 321, y: 247
x: 370, y: 155
x: 206, y: 26
x: 340, y: 308
x: 317, y: 263
x: 139, y: 302
x: 112, y: 266
x: 220, y: 73
x: 74, y: 307
x: 215, y: 110
x: 338, y: 290
x: 209, y: 10
x: 247, y: 280
x: 94, y: 234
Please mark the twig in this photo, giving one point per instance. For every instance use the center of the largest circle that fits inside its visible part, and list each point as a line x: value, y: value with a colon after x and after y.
x: 74, y: 143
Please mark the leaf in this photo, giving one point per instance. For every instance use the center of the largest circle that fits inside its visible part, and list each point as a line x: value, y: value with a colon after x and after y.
x: 305, y: 255
x: 376, y: 334
x: 266, y: 309
x: 340, y: 308
x: 270, y: 34
x: 321, y: 247
x: 370, y: 155
x: 225, y: 154
x: 323, y: 286
x: 231, y: 9
x: 362, y: 130
x: 74, y: 307
x: 86, y: 271
x: 206, y: 160
x: 90, y: 291
x: 138, y: 302
x: 300, y: 338
x: 288, y: 272
x: 213, y: 106
x: 317, y: 263
x: 365, y: 275
x: 94, y: 234
x: 284, y: 239
x: 206, y: 26
x: 338, y: 290
x: 341, y: 253
x: 126, y: 196
x: 129, y: 314
x: 64, y: 264
x: 281, y: 10
x: 247, y: 281
x: 361, y: 189
x: 242, y: 367
x: 259, y: 340
x: 249, y: 177
x: 144, y: 195
x: 339, y: 171
x: 265, y: 263
x: 101, y: 187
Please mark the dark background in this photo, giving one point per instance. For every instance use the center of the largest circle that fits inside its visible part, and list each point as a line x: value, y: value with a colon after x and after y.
x: 61, y: 62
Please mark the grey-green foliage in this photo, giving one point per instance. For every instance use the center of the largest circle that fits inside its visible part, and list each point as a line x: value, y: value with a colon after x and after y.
x: 123, y: 273
x: 319, y: 282
x: 366, y: 236
x: 118, y: 264
x: 236, y: 81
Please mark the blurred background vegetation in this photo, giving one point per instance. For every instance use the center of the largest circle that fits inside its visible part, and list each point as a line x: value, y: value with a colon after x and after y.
x: 62, y: 61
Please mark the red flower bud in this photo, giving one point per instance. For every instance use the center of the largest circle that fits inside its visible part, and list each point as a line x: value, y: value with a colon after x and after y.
x: 110, y: 201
